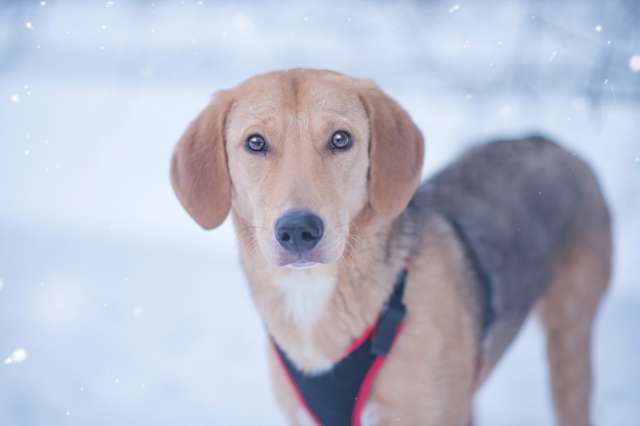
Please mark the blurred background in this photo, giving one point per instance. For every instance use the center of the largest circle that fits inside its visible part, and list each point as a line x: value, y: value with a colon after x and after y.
x: 116, y: 309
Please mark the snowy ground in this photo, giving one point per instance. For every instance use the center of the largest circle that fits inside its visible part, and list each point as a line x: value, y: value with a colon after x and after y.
x: 130, y: 314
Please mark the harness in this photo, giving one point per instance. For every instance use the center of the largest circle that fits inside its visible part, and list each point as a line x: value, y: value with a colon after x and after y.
x: 336, y: 397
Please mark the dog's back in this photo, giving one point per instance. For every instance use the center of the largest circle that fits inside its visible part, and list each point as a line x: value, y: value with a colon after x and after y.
x: 520, y: 207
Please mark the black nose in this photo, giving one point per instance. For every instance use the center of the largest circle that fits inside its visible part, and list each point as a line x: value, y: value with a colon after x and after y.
x: 299, y: 232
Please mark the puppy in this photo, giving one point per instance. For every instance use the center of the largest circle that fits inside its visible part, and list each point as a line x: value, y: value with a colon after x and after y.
x: 320, y: 173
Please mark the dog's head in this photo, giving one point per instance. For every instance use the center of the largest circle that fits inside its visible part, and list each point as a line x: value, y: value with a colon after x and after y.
x: 298, y: 155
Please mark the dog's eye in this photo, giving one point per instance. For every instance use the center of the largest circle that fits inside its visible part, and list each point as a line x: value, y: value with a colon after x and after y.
x: 340, y: 140
x: 256, y: 143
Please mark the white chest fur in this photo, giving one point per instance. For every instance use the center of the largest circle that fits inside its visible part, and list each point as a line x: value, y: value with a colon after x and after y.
x: 307, y: 293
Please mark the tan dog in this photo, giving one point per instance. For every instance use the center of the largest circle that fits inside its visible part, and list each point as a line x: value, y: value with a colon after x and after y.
x: 320, y: 171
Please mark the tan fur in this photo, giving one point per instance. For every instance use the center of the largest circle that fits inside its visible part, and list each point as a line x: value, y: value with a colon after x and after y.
x: 199, y: 167
x: 397, y: 152
x: 430, y: 376
x: 567, y: 311
x: 297, y: 112
x: 569, y: 306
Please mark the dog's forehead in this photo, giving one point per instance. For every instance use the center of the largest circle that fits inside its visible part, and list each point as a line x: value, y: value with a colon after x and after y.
x: 297, y: 92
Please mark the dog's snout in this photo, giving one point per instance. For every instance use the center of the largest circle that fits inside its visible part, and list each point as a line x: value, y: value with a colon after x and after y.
x: 299, y: 232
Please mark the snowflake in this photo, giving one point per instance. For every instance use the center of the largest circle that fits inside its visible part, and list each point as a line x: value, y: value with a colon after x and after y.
x: 454, y: 8
x: 598, y: 28
x: 243, y: 23
x: 18, y: 356
x: 505, y: 111
x: 28, y: 25
x: 634, y: 62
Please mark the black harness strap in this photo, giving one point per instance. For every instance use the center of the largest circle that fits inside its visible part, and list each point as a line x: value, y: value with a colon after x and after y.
x: 391, y: 317
x: 331, y: 397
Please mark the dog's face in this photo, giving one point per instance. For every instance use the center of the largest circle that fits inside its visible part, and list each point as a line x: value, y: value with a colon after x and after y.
x: 298, y: 155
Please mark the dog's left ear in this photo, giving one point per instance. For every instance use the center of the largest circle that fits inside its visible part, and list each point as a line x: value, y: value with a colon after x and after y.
x: 396, y: 151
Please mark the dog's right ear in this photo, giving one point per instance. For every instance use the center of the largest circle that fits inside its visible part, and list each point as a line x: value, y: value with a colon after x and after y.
x: 199, y: 173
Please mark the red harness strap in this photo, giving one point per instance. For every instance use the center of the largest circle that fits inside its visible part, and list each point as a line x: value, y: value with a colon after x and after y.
x: 337, y: 397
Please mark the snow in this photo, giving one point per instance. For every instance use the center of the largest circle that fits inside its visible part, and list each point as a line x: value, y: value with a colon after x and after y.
x: 18, y: 356
x: 634, y: 63
x: 93, y: 205
x: 137, y: 311
x: 243, y: 23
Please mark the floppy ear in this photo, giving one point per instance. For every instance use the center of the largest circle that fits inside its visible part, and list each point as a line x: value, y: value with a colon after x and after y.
x: 396, y: 151
x: 199, y: 173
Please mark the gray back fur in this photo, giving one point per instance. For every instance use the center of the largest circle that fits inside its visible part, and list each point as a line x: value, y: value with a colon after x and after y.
x: 518, y: 203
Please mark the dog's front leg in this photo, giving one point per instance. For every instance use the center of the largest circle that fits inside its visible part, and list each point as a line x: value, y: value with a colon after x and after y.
x: 438, y: 393
x: 429, y: 377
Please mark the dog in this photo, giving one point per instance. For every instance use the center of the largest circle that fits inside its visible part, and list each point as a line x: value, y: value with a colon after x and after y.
x: 320, y: 174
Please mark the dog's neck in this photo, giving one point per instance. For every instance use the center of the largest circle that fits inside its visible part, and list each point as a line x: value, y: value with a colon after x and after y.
x: 315, y: 314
